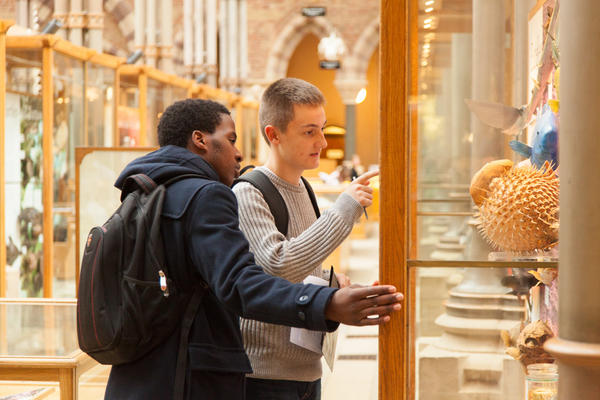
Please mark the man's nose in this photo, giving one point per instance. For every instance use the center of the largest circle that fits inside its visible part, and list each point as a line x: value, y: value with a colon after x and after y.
x: 238, y: 155
x: 323, y: 141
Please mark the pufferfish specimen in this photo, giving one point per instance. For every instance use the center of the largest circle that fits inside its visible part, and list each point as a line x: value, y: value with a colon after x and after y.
x: 518, y: 207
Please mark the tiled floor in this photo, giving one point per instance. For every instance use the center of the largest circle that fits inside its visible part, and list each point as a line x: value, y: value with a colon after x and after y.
x: 355, y: 369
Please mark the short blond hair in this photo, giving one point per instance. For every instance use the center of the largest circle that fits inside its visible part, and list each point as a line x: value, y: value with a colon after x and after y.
x: 277, y: 102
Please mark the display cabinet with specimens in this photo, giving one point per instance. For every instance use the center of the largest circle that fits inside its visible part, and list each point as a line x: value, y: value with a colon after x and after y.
x: 481, y: 194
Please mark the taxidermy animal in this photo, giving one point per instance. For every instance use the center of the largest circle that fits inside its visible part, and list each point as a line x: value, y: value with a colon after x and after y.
x: 528, y: 348
x: 518, y: 207
x: 513, y: 120
x: 545, y: 143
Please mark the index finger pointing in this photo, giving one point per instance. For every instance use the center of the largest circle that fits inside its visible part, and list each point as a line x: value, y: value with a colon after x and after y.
x: 368, y: 291
x: 364, y: 178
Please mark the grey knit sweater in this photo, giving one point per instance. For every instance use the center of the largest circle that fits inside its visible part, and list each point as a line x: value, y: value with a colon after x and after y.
x: 309, y: 241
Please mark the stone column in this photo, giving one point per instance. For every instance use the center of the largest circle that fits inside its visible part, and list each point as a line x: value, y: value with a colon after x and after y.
x: 348, y: 89
x: 23, y: 13
x: 198, y: 36
x: 243, y: 40
x: 521, y: 48
x: 95, y: 24
x: 61, y: 11
x: 211, y: 42
x: 577, y: 348
x: 139, y: 34
x: 188, y: 37
x: 75, y: 22
x: 223, y: 46
x: 166, y: 36
x: 151, y: 52
x: 232, y: 39
x: 451, y: 245
x: 488, y: 76
x: 461, y: 116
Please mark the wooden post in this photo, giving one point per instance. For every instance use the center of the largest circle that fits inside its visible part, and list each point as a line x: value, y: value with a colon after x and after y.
x: 239, y: 126
x: 394, y: 192
x: 47, y: 168
x: 413, y: 154
x: 4, y: 25
x: 143, y: 106
x: 116, y: 99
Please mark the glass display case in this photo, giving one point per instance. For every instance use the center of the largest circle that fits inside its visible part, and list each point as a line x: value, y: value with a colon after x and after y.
x: 58, y: 96
x: 39, y: 353
x: 145, y: 93
x: 475, y: 214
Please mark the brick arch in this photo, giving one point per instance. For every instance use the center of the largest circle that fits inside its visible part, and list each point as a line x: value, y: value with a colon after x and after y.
x: 290, y: 37
x: 122, y: 14
x: 358, y: 60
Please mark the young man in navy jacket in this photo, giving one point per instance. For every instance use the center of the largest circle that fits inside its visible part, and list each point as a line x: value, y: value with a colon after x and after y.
x: 203, y: 242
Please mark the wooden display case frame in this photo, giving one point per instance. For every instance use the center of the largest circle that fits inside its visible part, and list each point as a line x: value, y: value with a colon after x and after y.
x: 48, y: 45
x: 143, y: 73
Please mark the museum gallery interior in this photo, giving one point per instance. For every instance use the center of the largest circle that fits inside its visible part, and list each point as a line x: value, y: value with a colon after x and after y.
x: 481, y: 216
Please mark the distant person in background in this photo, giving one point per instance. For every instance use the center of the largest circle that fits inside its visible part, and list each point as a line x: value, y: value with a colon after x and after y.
x: 292, y: 118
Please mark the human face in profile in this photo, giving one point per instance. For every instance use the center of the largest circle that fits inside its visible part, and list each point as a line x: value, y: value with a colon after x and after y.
x: 220, y: 150
x: 301, y: 144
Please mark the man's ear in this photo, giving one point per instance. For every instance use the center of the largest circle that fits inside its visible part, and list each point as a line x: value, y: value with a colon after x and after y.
x: 272, y: 134
x: 199, y: 140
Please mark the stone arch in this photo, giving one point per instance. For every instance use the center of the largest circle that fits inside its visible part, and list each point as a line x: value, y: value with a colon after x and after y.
x: 358, y: 61
x: 288, y: 40
x: 122, y: 13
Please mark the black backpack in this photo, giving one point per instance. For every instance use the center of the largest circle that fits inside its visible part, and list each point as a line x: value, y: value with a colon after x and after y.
x: 273, y: 198
x: 127, y: 303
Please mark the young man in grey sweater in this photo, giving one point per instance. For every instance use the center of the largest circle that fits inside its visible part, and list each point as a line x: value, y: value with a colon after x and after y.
x: 292, y: 118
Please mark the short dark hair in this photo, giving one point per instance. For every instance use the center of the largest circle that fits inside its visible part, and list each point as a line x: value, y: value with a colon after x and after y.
x: 183, y: 117
x: 277, y: 102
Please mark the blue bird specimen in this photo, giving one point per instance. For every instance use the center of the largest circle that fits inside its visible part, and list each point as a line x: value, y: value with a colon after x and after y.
x: 545, y: 142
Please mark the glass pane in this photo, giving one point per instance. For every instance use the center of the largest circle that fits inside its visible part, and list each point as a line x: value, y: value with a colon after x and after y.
x: 477, y: 198
x: 471, y: 78
x: 38, y: 329
x: 464, y: 326
x: 128, y: 122
x: 23, y: 173
x: 100, y: 105
x: 69, y: 132
x: 98, y: 197
x: 160, y: 96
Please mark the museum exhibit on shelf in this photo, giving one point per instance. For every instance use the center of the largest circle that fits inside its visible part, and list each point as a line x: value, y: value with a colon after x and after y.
x: 480, y: 115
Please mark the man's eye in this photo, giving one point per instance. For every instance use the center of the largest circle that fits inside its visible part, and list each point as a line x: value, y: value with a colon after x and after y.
x: 308, y: 132
x: 232, y: 140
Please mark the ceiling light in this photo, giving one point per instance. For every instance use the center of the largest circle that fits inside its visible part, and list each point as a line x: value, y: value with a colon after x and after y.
x: 361, y: 96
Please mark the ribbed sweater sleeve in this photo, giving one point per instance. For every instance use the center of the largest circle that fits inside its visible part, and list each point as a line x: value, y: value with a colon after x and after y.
x: 309, y: 241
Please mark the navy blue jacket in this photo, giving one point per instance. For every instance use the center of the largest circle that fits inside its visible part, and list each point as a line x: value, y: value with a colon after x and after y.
x: 202, y: 240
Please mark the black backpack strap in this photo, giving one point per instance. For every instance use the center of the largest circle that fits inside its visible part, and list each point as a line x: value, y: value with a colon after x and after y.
x: 133, y: 182
x: 313, y: 198
x: 182, y: 353
x: 271, y: 195
x: 147, y: 184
